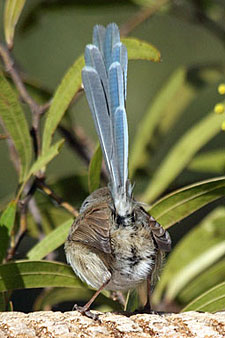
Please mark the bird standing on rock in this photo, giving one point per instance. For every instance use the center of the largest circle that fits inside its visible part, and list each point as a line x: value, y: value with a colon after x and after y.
x: 113, y: 243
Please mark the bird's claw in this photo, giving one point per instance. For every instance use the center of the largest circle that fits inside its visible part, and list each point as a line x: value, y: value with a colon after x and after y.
x: 86, y: 312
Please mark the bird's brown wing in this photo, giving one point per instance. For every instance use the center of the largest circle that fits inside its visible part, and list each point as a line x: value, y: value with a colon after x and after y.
x: 160, y: 235
x: 93, y: 228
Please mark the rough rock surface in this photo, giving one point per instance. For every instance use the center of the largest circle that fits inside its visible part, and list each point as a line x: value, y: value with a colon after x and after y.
x: 73, y: 324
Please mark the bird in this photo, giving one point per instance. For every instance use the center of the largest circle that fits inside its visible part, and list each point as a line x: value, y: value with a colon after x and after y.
x: 114, y: 243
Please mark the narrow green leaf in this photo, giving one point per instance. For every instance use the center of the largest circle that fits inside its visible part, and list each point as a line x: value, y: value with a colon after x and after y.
x: 44, y: 159
x: 64, y: 94
x: 183, y: 202
x: 195, y: 253
x: 36, y: 274
x: 186, y: 93
x: 7, y: 220
x: 94, y: 170
x: 41, y: 162
x: 210, y: 161
x: 195, y: 267
x: 51, y: 242
x: 13, y: 9
x: 182, y: 152
x: 206, y: 280
x: 211, y: 301
x: 16, y: 125
x: 132, y: 301
x: 141, y: 50
x: 151, y: 119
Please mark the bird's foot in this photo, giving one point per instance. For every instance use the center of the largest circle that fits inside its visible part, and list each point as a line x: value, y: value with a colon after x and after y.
x: 86, y: 312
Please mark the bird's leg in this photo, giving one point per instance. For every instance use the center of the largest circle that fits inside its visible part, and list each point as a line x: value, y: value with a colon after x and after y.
x: 147, y: 307
x: 84, y: 310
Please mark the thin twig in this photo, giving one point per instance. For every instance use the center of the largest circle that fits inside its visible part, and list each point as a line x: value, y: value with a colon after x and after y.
x: 206, y: 21
x: 46, y: 189
x: 23, y: 205
x: 141, y: 16
x: 9, y: 67
x: 4, y: 136
x: 80, y: 143
x: 36, y: 109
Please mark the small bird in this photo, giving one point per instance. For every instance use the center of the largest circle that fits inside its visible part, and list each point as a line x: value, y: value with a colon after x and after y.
x: 114, y: 243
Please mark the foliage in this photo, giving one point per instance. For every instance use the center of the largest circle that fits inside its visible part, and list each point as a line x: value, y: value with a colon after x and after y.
x: 176, y: 156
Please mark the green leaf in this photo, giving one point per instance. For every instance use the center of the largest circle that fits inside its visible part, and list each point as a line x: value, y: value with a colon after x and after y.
x: 206, y: 280
x: 16, y: 125
x: 41, y: 162
x: 151, y: 119
x: 94, y: 170
x: 51, y: 242
x: 211, y: 301
x: 211, y: 161
x: 141, y: 50
x: 195, y: 253
x: 182, y: 152
x: 183, y: 202
x: 44, y: 159
x: 195, y: 267
x: 13, y: 9
x: 132, y: 301
x: 36, y: 274
x: 7, y: 220
x: 64, y: 94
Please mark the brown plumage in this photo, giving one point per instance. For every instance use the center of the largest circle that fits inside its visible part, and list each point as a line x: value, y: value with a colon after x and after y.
x: 104, y: 248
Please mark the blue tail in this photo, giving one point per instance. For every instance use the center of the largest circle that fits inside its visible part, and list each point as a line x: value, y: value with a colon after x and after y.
x: 105, y: 82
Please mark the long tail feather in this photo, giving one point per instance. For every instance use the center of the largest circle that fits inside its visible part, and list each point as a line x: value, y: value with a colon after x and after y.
x: 99, y: 37
x: 112, y: 37
x: 119, y: 54
x: 120, y: 129
x: 97, y: 103
x: 93, y: 58
x: 116, y: 87
x: 105, y: 83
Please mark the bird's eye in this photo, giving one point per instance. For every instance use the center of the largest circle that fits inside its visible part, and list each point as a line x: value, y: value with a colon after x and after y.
x: 84, y: 205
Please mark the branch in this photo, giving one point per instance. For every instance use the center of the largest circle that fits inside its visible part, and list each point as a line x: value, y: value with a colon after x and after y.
x: 79, y: 142
x: 141, y: 16
x: 36, y: 109
x: 48, y: 191
x: 4, y: 136
x: 23, y: 205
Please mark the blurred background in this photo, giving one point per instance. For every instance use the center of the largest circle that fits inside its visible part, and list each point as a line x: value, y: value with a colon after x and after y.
x: 190, y: 36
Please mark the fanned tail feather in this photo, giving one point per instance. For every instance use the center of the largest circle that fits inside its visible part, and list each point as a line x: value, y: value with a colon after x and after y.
x: 105, y: 83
